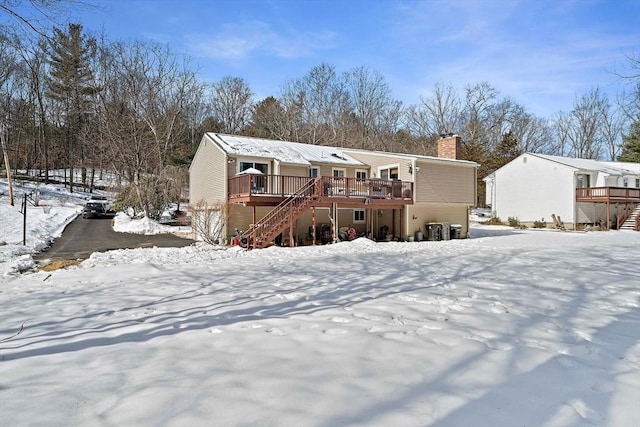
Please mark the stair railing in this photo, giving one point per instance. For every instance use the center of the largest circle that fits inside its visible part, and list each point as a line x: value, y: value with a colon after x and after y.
x: 259, y: 234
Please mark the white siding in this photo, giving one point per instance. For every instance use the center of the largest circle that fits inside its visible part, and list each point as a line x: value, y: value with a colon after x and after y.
x: 591, y: 213
x: 530, y: 188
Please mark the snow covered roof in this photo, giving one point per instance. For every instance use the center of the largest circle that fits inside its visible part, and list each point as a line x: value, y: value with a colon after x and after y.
x: 410, y: 156
x: 611, y: 168
x: 633, y: 167
x: 282, y: 151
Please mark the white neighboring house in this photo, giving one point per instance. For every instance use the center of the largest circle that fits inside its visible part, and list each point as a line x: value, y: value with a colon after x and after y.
x: 532, y: 187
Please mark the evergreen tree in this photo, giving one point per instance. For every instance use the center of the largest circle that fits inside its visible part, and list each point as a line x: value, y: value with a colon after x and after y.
x: 631, y: 145
x: 268, y: 120
x: 70, y: 85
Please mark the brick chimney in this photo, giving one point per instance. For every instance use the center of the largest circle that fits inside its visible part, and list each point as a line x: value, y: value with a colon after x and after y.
x: 449, y: 146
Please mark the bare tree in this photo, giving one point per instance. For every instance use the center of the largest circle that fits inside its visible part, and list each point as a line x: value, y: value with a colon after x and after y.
x: 209, y: 222
x: 17, y: 107
x: 535, y: 135
x: 613, y: 124
x: 479, y: 113
x: 628, y: 102
x: 587, y: 118
x: 9, y: 59
x: 34, y: 58
x: 315, y: 104
x: 231, y: 103
x: 531, y: 133
x: 26, y: 18
x: 196, y: 110
x: 582, y: 132
x: 387, y: 125
x: 146, y: 88
x: 376, y: 112
x: 438, y: 113
x: 8, y: 67
x: 630, y: 70
x: 561, y: 124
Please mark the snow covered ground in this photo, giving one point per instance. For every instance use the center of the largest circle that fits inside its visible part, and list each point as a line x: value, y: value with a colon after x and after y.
x: 507, y: 328
x: 55, y: 208
x: 50, y: 209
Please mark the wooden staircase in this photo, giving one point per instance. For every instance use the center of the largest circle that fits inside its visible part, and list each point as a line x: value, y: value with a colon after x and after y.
x: 261, y: 234
x: 632, y: 222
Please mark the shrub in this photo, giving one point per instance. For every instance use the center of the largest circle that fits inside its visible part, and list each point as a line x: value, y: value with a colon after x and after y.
x: 513, y: 222
x: 127, y: 201
x: 540, y: 224
x: 494, y: 221
x: 209, y: 222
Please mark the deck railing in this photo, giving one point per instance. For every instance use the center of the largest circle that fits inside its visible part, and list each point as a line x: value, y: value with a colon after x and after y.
x: 604, y: 194
x: 283, y: 185
x: 260, y: 234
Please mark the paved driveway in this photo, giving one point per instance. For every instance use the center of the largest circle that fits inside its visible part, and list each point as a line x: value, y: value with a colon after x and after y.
x: 82, y: 237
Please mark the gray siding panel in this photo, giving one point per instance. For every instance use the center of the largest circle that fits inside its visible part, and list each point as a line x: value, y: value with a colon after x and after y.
x: 207, y: 180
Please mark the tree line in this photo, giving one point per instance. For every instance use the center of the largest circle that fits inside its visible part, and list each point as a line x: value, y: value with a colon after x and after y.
x: 75, y: 101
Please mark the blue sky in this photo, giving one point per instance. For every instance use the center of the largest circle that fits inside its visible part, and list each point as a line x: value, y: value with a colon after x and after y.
x: 542, y: 53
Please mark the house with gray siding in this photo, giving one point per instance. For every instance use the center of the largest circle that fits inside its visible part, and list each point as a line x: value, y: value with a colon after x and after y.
x: 306, y: 194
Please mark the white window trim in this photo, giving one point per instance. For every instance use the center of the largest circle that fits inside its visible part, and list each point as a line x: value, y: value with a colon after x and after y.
x: 364, y: 215
x: 344, y: 171
x: 262, y: 162
x: 390, y: 166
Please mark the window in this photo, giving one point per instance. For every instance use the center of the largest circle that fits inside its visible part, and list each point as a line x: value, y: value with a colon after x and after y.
x: 258, y: 182
x: 389, y: 173
x: 625, y: 182
x: 358, y: 215
x: 361, y: 174
x: 637, y: 182
x: 314, y: 172
x: 584, y: 181
x: 338, y: 182
x: 262, y: 167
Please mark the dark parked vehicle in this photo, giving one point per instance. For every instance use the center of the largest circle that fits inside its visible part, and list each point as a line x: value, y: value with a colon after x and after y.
x: 95, y: 210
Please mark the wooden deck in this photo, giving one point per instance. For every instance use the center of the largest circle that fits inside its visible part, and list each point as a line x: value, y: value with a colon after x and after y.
x: 608, y: 195
x: 270, y: 190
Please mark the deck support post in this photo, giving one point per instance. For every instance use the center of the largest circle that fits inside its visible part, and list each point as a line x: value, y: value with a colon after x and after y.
x: 313, y: 226
x: 334, y: 232
x: 393, y: 223
x: 291, y: 242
